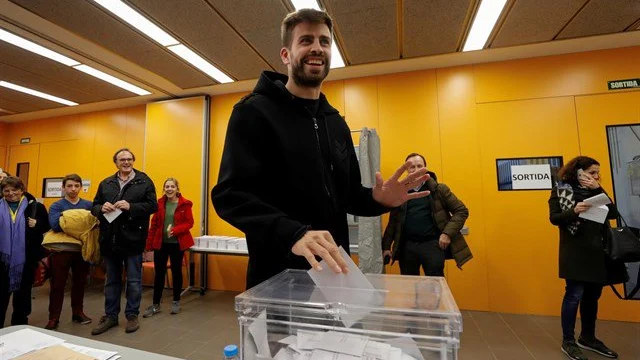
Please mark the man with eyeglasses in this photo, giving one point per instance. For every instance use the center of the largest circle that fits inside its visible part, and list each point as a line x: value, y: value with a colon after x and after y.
x: 123, y: 203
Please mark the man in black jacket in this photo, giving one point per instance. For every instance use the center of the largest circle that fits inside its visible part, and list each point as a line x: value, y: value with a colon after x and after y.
x: 289, y: 172
x: 123, y: 203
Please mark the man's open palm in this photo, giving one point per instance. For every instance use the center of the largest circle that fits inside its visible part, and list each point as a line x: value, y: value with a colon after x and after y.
x: 394, y: 192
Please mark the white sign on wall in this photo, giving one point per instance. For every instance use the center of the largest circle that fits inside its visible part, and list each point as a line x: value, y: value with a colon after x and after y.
x: 53, y: 188
x: 531, y: 177
x: 85, y: 185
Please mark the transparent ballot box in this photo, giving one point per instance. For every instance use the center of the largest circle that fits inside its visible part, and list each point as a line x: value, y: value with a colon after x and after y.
x: 288, y: 317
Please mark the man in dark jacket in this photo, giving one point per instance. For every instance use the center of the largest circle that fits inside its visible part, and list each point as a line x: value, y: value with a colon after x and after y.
x: 123, y: 203
x: 289, y: 173
x: 426, y: 231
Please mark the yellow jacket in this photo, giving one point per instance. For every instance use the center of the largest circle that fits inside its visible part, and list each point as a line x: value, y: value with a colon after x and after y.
x: 81, y: 233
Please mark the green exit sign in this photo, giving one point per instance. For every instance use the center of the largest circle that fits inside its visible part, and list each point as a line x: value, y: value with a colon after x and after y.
x: 624, y: 84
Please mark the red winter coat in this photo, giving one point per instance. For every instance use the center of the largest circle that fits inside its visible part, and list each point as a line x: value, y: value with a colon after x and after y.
x: 182, y: 223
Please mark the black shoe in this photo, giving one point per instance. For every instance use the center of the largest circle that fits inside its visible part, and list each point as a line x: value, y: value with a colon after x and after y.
x: 572, y: 350
x: 105, y: 324
x: 81, y: 318
x: 597, y: 346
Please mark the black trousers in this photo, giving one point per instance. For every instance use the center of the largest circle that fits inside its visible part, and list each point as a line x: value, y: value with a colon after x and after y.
x: 21, y: 298
x: 160, y: 257
x: 426, y: 254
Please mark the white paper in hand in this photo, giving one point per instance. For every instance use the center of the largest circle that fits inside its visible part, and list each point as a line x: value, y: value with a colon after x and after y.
x: 110, y: 216
x: 596, y: 213
x: 353, y: 279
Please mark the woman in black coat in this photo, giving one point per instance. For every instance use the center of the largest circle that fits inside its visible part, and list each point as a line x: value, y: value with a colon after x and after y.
x: 20, y: 247
x: 583, y: 262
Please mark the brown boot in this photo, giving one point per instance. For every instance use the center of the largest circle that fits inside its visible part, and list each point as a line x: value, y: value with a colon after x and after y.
x: 132, y: 323
x: 105, y: 324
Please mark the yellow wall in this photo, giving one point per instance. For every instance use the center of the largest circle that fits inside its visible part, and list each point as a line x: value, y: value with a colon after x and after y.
x: 4, y: 129
x: 462, y: 119
x: 82, y: 143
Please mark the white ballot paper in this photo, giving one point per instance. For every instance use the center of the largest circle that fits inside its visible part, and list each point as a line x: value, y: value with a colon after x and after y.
x: 110, y: 216
x: 377, y: 351
x: 328, y: 355
x: 395, y: 353
x: 307, y: 340
x: 258, y: 331
x: 343, y: 343
x: 24, y: 341
x: 598, y: 211
x: 353, y: 285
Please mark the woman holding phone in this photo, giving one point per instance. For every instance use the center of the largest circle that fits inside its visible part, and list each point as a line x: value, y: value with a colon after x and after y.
x: 169, y: 237
x: 583, y: 262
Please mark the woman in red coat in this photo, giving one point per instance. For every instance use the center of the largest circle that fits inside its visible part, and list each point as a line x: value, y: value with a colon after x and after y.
x: 169, y: 237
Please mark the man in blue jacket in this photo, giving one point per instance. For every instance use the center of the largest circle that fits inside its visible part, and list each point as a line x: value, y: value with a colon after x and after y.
x: 62, y: 261
x: 289, y: 173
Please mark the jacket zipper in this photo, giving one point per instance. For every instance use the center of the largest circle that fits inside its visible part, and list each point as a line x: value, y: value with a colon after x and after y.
x: 324, y: 180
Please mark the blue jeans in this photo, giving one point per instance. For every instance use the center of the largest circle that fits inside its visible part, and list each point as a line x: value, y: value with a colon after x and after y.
x: 585, y: 295
x: 113, y: 285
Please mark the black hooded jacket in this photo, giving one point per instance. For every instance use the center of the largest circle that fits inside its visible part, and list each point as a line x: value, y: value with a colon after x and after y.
x: 273, y: 183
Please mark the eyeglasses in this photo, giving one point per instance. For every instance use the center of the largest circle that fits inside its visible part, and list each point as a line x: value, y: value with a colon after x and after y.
x: 125, y: 160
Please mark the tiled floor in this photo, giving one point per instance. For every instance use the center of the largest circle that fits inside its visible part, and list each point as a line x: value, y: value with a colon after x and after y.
x: 207, y: 323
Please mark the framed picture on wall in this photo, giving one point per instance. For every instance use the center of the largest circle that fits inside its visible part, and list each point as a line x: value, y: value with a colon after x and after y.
x: 52, y: 187
x: 534, y: 173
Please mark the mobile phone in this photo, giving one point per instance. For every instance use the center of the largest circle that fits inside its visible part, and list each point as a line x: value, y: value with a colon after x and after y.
x: 582, y: 175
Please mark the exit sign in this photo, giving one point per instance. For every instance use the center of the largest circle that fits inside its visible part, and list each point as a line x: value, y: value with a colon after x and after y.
x: 623, y: 84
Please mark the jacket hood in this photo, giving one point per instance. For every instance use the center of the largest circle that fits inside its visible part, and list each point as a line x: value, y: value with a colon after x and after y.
x: 272, y: 84
x: 433, y: 175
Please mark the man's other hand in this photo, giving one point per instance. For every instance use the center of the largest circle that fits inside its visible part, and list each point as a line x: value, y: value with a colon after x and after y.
x: 394, y: 192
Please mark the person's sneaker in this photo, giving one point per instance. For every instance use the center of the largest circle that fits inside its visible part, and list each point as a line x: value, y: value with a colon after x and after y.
x: 597, y: 346
x: 151, y: 310
x: 52, y: 324
x: 175, y: 307
x: 81, y: 318
x: 132, y: 324
x: 572, y: 350
x: 105, y: 324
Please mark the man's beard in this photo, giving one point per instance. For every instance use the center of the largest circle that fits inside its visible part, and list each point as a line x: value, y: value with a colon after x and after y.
x: 312, y: 80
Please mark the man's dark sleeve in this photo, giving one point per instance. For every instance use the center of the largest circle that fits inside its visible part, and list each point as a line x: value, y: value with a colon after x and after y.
x: 459, y: 212
x: 236, y: 198
x: 98, y: 201
x: 149, y: 203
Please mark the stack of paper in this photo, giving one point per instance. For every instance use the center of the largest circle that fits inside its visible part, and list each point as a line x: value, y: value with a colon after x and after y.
x: 333, y: 345
x: 27, y: 344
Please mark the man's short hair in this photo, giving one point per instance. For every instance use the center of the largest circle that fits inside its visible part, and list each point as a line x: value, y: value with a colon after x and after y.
x: 12, y: 181
x: 311, y: 16
x: 72, y: 177
x: 115, y: 156
x: 416, y: 154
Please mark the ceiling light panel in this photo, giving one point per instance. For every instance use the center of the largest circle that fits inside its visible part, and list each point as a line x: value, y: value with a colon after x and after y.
x: 483, y: 23
x: 35, y: 48
x: 200, y: 63
x: 138, y: 21
x: 111, y: 79
x: 37, y: 93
